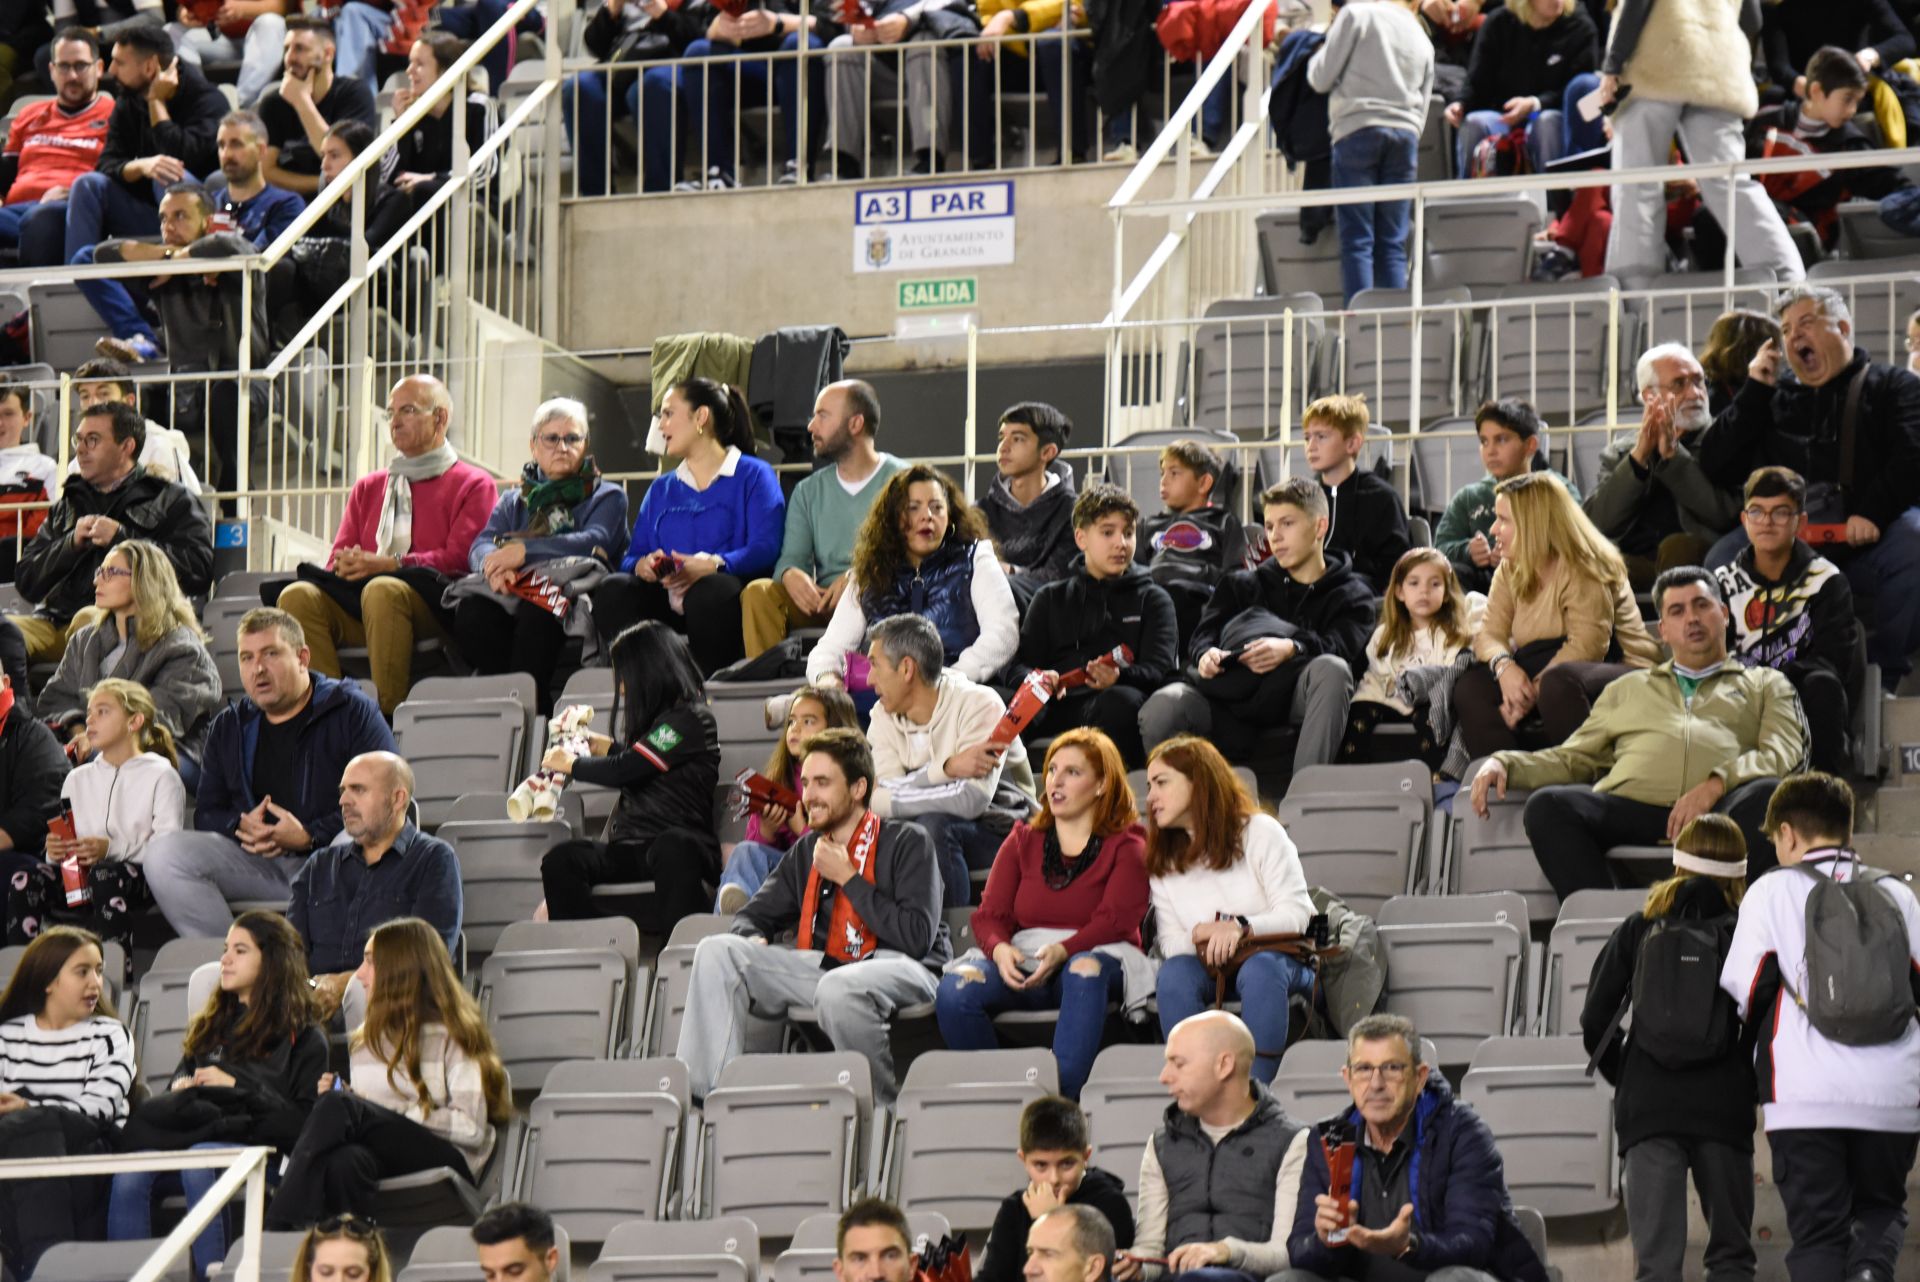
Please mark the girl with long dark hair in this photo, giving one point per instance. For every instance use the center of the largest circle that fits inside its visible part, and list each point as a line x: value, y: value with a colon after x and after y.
x: 426, y: 1090
x: 665, y: 763
x: 249, y: 1074
x: 705, y: 530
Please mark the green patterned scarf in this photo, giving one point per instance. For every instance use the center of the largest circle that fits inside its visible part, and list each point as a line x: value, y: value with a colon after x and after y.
x: 550, y: 503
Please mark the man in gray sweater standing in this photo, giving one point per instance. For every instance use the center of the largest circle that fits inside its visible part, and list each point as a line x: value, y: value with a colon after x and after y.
x: 1377, y: 69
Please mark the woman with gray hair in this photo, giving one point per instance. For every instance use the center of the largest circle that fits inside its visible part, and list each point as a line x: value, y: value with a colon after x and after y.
x: 562, y: 510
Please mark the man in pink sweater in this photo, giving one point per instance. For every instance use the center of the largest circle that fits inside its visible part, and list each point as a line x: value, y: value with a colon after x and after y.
x: 406, y: 532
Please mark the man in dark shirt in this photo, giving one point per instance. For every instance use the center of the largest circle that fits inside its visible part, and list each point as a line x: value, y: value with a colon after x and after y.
x: 161, y: 132
x: 388, y: 870
x: 269, y: 782
x: 309, y: 99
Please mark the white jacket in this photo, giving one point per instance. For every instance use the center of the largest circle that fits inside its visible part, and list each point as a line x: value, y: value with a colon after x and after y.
x: 128, y: 805
x: 1807, y: 1081
x: 909, y: 760
x: 993, y: 608
x: 1430, y: 647
x: 1266, y: 885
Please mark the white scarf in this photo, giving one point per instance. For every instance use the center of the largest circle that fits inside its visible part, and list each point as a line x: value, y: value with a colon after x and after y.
x: 394, y: 535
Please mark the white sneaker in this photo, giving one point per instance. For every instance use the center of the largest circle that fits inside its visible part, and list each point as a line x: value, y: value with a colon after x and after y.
x: 1199, y: 149
x: 733, y: 897
x: 790, y: 173
x: 719, y: 179
x: 1122, y: 153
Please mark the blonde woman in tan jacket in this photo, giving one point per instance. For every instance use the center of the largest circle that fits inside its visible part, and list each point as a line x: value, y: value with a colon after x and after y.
x: 1561, y: 623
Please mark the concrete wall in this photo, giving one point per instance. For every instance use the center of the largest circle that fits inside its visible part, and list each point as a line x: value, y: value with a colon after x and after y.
x: 749, y: 262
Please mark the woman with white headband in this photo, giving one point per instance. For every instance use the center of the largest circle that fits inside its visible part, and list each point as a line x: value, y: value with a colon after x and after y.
x: 1684, y: 1087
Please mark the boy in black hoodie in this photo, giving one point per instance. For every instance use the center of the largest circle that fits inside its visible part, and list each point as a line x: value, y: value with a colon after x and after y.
x: 1192, y: 545
x: 1365, y: 517
x: 1031, y: 500
x: 1106, y: 600
x: 1055, y: 1145
x: 1822, y: 125
x: 1280, y: 644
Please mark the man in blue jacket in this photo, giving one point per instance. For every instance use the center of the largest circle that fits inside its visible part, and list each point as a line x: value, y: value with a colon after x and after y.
x: 269, y: 784
x: 1427, y: 1189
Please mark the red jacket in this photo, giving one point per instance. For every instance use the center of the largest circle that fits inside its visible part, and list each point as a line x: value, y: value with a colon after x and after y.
x: 1191, y: 29
x: 1103, y: 905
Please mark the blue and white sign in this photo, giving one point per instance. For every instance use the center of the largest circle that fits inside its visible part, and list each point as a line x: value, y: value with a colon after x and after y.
x: 933, y: 227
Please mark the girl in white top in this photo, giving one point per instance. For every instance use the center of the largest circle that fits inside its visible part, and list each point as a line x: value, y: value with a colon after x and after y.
x: 127, y: 794
x: 1425, y: 621
x: 65, y: 1055
x: 427, y: 1087
x: 1221, y: 871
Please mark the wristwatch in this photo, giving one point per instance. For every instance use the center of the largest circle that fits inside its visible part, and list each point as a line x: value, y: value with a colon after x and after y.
x: 1413, y: 1244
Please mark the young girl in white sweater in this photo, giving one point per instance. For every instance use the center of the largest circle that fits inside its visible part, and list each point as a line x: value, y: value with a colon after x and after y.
x: 128, y: 793
x: 1425, y: 621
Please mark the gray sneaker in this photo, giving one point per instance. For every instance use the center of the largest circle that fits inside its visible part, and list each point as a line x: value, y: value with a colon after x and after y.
x: 733, y: 897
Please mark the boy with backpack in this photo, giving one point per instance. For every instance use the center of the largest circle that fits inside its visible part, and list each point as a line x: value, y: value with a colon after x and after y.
x: 1825, y: 964
x: 1682, y: 1079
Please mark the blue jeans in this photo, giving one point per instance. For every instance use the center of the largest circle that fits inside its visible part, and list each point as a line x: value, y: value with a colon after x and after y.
x: 12, y: 217
x: 1373, y: 238
x: 584, y: 94
x: 750, y: 864
x: 114, y: 301
x: 358, y: 30
x: 1264, y: 985
x: 959, y: 847
x: 100, y: 207
x: 1581, y: 135
x: 714, y: 109
x: 130, y: 1209
x: 965, y: 1008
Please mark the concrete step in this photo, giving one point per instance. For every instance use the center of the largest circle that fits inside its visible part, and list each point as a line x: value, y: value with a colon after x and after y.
x: 1900, y: 728
x: 1895, y: 852
x: 1896, y: 811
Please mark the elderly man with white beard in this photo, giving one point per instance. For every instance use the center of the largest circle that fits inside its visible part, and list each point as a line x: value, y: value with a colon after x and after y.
x: 1654, y: 499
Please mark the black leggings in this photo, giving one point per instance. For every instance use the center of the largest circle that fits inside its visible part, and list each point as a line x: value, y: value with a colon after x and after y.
x: 526, y: 639
x: 1358, y: 745
x: 711, y: 623
x: 36, y: 1213
x: 680, y: 862
x: 346, y: 1148
x: 1567, y: 692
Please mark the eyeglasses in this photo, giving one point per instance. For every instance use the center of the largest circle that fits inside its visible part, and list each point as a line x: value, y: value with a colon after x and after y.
x: 112, y: 572
x: 555, y: 440
x: 72, y: 68
x: 1771, y: 516
x: 1367, y: 1072
x: 89, y: 440
x: 406, y: 411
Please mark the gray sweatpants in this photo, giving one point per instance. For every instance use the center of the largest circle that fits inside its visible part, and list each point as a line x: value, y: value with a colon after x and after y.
x: 1319, y: 709
x: 929, y: 101
x: 734, y: 977
x: 1656, y: 1191
x: 193, y: 875
x: 1643, y: 133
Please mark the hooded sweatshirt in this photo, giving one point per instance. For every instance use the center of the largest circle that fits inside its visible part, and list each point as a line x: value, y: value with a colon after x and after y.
x: 26, y: 476
x: 1366, y: 519
x: 1079, y: 617
x: 1197, y: 547
x: 1803, y: 619
x: 1035, y: 538
x: 1332, y: 615
x: 1376, y: 69
x: 129, y: 805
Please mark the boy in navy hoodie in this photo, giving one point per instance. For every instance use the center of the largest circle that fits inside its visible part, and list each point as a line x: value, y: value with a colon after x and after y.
x: 1194, y: 544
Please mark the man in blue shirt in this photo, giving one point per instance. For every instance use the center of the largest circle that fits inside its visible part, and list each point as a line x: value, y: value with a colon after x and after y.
x: 384, y: 869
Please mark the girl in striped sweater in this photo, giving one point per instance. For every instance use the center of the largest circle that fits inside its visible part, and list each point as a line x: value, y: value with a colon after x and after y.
x: 66, y: 1070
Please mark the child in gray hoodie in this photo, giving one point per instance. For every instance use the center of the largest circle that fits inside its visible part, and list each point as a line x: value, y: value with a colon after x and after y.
x: 1376, y: 68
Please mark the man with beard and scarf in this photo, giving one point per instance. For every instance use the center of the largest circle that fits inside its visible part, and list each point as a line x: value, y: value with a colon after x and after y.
x: 823, y: 513
x: 407, y: 529
x: 1851, y: 427
x: 1654, y: 499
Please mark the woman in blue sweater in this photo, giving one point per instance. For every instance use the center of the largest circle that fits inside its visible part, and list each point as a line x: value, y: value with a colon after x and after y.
x: 705, y: 530
x: 561, y: 509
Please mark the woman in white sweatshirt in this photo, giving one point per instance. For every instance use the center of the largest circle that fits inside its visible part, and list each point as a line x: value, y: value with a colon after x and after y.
x: 127, y: 794
x: 1221, y: 871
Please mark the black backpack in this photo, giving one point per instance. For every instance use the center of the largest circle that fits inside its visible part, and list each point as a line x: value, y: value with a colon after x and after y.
x: 1682, y: 1018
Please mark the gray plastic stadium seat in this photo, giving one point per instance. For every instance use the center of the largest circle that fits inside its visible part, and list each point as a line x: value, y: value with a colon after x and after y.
x: 956, y: 1109
x: 558, y: 1003
x: 1864, y: 236
x: 1124, y: 1101
x: 593, y: 687
x: 1446, y: 459
x: 276, y: 1255
x: 446, y: 1254
x: 499, y: 873
x: 1239, y: 360
x: 1880, y: 308
x: 491, y: 807
x: 161, y: 1011
x: 1587, y: 920
x: 461, y: 745
x: 64, y: 324
x: 221, y: 619
x: 784, y: 1137
x: 1553, y: 1124
x: 105, y: 1261
x: 1377, y: 354
x: 1480, y: 242
x: 603, y: 1143
x: 1361, y: 830
x: 244, y: 585
x: 1309, y: 1086
x: 1494, y: 853
x: 1289, y: 267
x: 721, y: 1250
x: 740, y: 709
x: 1553, y: 355
x: 1686, y: 319
x: 1139, y: 474
x: 1456, y: 966
x: 1588, y: 446
x: 671, y: 971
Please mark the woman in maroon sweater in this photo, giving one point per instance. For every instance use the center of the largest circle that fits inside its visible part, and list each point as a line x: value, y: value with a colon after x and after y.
x: 1066, y: 893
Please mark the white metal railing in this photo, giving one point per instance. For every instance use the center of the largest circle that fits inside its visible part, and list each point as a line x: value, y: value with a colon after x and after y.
x: 240, y: 1169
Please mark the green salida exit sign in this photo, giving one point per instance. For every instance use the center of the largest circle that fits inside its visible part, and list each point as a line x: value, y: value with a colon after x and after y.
x: 925, y: 295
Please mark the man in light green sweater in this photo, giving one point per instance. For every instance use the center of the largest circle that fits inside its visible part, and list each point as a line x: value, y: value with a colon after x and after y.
x: 823, y: 516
